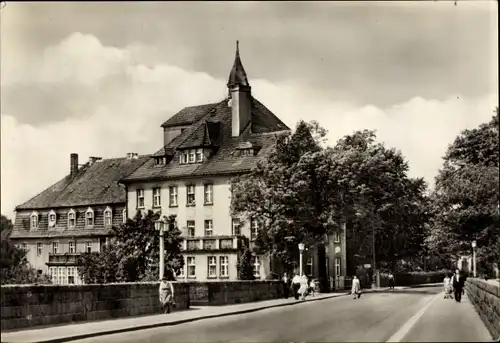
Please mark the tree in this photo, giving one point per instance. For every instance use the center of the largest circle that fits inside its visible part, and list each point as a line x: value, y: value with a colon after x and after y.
x: 245, y: 267
x: 133, y: 254
x: 14, y: 266
x: 466, y: 198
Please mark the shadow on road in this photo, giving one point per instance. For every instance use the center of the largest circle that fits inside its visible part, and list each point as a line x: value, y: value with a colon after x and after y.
x: 407, y: 291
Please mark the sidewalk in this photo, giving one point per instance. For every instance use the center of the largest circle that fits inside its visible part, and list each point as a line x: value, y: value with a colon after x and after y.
x: 68, y: 332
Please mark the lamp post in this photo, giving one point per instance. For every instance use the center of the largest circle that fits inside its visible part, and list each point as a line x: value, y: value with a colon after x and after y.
x: 160, y: 226
x: 474, y: 244
x: 301, y: 250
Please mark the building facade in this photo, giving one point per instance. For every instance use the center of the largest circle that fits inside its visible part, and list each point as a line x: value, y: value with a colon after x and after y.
x: 73, y: 216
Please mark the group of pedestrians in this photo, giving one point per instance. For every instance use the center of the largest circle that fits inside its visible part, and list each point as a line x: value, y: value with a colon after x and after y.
x: 298, y: 286
x: 455, y: 286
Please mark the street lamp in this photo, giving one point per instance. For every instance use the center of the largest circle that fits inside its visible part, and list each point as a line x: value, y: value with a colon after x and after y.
x: 160, y: 226
x: 474, y: 244
x: 301, y: 250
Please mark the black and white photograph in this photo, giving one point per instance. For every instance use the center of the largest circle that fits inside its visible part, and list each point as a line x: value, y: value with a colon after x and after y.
x: 249, y: 171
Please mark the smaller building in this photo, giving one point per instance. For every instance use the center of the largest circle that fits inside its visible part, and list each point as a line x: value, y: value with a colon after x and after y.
x: 75, y: 215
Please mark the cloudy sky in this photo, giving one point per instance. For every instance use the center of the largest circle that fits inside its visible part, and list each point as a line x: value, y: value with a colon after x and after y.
x: 99, y: 78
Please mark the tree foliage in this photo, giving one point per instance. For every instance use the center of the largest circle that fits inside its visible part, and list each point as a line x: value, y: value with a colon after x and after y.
x: 466, y: 198
x: 14, y: 265
x: 305, y: 190
x: 245, y: 267
x: 133, y: 254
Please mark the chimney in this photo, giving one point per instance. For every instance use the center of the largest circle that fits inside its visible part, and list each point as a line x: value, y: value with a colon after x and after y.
x: 73, y: 164
x: 132, y: 155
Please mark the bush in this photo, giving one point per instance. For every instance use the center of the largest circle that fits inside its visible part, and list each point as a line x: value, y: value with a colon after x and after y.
x: 245, y: 267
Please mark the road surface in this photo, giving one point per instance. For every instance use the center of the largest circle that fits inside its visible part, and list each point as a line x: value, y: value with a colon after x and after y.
x: 408, y: 315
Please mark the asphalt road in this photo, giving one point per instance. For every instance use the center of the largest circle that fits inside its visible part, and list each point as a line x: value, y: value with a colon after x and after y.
x: 401, y: 316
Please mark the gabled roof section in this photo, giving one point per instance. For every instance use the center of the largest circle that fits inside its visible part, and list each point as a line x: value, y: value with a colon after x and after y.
x: 206, y: 135
x: 92, y: 185
x: 237, y: 76
x: 188, y: 115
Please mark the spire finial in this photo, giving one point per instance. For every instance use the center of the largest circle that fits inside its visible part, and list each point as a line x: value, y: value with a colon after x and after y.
x: 237, y: 46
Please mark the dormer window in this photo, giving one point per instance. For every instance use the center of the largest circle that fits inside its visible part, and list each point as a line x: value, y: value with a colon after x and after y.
x: 34, y: 220
x: 89, y: 217
x: 52, y: 218
x: 159, y: 161
x: 108, y: 217
x: 71, y: 219
x: 191, y: 156
x: 247, y: 149
x: 247, y: 152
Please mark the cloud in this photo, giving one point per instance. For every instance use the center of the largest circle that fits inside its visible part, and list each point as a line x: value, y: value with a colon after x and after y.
x: 112, y: 102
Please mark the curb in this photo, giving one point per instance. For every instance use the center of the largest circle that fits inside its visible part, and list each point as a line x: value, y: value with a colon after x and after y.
x: 182, y: 321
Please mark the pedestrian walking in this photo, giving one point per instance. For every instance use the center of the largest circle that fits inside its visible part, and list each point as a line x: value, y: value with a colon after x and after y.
x: 296, y: 286
x: 286, y: 285
x: 458, y: 285
x: 391, y: 281
x: 356, y: 288
x: 304, y: 287
x: 312, y: 287
x: 448, y: 288
x: 166, y: 295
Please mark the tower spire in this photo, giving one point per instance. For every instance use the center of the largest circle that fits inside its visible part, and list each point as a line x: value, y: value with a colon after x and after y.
x: 238, y: 76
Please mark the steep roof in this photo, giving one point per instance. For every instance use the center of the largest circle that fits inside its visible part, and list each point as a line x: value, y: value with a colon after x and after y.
x: 262, y: 133
x: 188, y: 115
x: 237, y: 76
x: 92, y: 185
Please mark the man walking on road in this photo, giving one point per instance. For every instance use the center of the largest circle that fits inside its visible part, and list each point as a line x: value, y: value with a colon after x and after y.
x: 458, y: 285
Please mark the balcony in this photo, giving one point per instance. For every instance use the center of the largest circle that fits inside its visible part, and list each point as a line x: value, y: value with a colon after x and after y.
x: 213, y: 243
x: 63, y: 259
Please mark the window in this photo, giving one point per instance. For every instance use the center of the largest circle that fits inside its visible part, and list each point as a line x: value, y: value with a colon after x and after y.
x: 52, y: 218
x: 88, y: 246
x: 140, y: 198
x: 309, y: 266
x: 160, y: 161
x: 181, y: 272
x: 89, y: 217
x: 184, y: 157
x: 39, y: 249
x: 190, y: 195
x: 192, y: 156
x: 209, y: 194
x: 336, y: 237
x: 246, y: 152
x: 55, y: 247
x: 156, y: 197
x: 71, y: 219
x: 254, y: 229
x: 190, y: 228
x: 124, y: 215
x: 60, y: 278
x: 53, y: 274
x: 71, y: 275
x: 72, y: 249
x: 236, y: 227
x: 256, y: 266
x: 199, y: 155
x: 173, y: 196
x: 34, y: 220
x: 108, y: 217
x: 224, y: 266
x: 337, y: 266
x: 24, y: 246
x: 208, y: 227
x: 212, y: 267
x: 191, y: 267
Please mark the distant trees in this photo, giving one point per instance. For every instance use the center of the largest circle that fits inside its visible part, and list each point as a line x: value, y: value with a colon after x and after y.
x: 133, y: 254
x: 305, y: 190
x: 14, y: 267
x: 466, y: 197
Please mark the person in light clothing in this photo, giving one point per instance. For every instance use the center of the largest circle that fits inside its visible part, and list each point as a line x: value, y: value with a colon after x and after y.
x: 356, y: 288
x: 312, y: 287
x: 296, y: 286
x: 304, y: 285
x: 166, y: 295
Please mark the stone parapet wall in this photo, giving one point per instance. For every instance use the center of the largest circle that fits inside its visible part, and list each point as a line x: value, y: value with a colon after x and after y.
x: 486, y: 300
x: 30, y: 306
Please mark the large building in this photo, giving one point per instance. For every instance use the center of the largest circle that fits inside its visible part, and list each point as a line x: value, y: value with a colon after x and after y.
x: 73, y: 216
x: 204, y: 147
